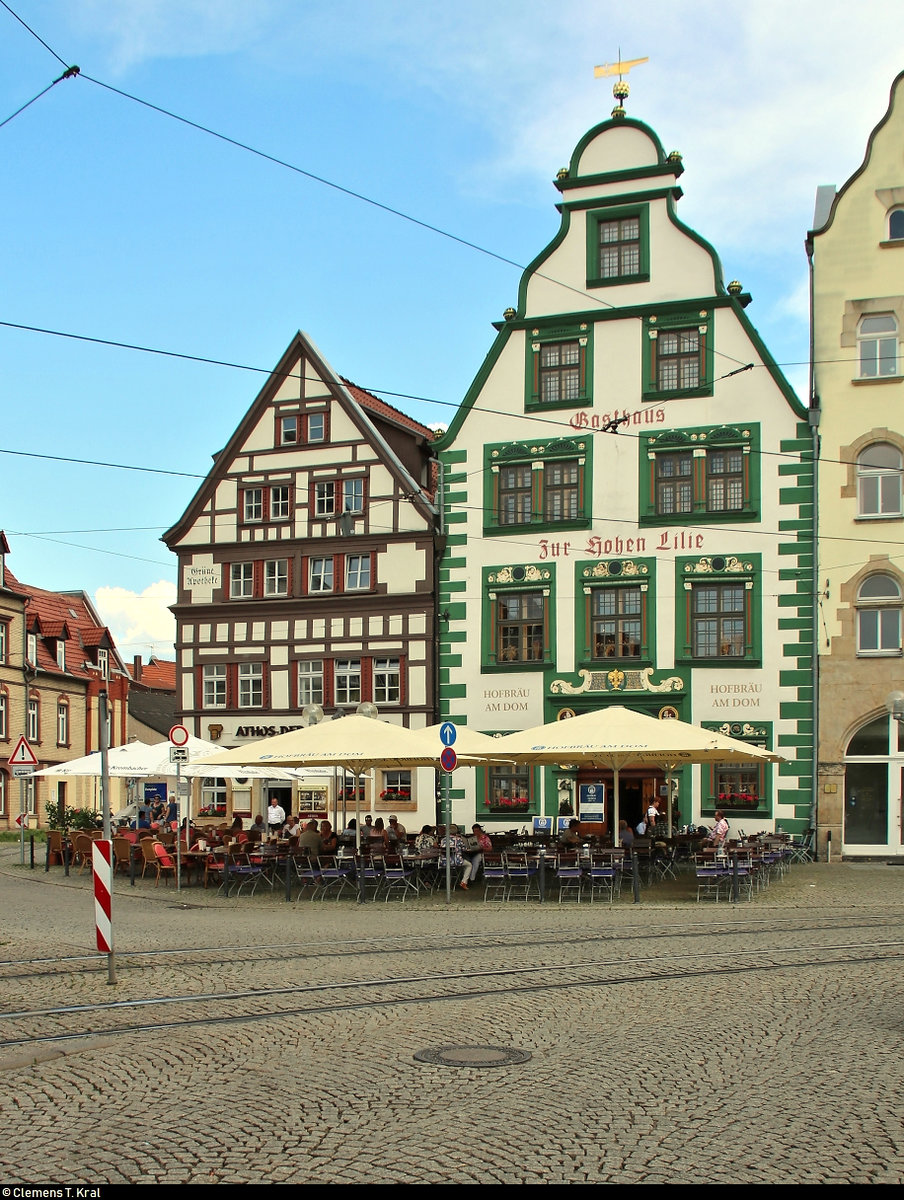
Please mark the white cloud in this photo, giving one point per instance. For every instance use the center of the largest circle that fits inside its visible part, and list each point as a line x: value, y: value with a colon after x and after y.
x: 140, y: 622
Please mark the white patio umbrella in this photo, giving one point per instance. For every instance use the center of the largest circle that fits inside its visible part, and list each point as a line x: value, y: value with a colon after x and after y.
x: 356, y: 743
x: 617, y: 737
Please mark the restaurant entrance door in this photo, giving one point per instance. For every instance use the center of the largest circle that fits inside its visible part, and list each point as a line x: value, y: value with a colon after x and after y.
x: 637, y: 787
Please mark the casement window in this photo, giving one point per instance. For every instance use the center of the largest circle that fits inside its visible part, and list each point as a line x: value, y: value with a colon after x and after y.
x: 251, y: 685
x: 562, y: 491
x: 4, y: 788
x: 310, y: 682
x: 738, y: 788
x: 288, y: 430
x: 515, y: 494
x: 260, y: 504
x: 719, y: 620
x: 618, y: 246
x: 877, y: 346
x: 879, y: 481
x: 320, y: 575
x: 276, y: 577
x: 241, y: 581
x: 280, y: 502
x: 30, y: 795
x: 357, y: 572
x: 213, y: 796
x: 617, y: 622
x: 878, y: 607
x: 61, y: 654
x: 518, y: 616
x: 214, y: 686
x: 4, y: 715
x: 707, y: 474
x: 293, y: 429
x: 719, y: 605
x: 4, y: 640
x: 347, y: 681
x: 31, y: 648
x: 353, y: 495
x: 678, y: 357
x: 521, y: 627
x: 62, y: 723
x: 253, y: 504
x: 509, y: 791
x: 387, y: 681
x: 103, y: 662
x: 558, y: 369
x: 540, y: 484
x: 33, y: 719
x: 325, y: 499
x: 232, y: 685
x: 896, y: 225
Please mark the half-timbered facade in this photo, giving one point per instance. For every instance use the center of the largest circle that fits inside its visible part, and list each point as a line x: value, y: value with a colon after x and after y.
x: 306, y: 579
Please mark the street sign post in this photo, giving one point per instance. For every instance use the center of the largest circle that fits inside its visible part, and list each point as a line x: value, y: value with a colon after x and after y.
x: 23, y: 762
x: 178, y: 736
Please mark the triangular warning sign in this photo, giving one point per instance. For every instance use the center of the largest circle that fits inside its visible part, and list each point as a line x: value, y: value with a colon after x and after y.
x: 23, y: 755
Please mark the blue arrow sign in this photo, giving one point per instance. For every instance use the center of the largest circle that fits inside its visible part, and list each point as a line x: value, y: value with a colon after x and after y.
x: 447, y: 733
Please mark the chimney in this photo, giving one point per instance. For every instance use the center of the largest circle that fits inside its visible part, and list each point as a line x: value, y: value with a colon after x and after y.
x: 136, y: 668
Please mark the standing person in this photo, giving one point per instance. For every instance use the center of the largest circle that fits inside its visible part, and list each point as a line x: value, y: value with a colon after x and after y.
x: 652, y: 815
x: 276, y: 816
x: 718, y: 833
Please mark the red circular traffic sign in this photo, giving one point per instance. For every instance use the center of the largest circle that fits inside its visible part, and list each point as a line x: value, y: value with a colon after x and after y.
x: 178, y: 735
x: 448, y: 760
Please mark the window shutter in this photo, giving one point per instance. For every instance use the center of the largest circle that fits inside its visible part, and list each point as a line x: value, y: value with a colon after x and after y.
x: 265, y: 686
x: 329, y: 682
x: 257, y: 577
x: 199, y: 687
x: 367, y: 679
x: 290, y: 576
x: 232, y: 685
x: 403, y: 679
x: 338, y: 572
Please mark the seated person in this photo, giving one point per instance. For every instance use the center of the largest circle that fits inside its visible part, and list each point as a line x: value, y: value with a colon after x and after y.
x: 571, y: 837
x: 397, y: 832
x: 719, y: 832
x: 625, y: 835
x: 329, y: 842
x: 425, y: 842
x: 349, y: 834
x: 309, y: 839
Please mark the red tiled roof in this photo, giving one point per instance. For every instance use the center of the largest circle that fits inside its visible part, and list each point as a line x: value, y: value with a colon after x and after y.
x: 53, y: 611
x: 159, y: 674
x: 381, y: 408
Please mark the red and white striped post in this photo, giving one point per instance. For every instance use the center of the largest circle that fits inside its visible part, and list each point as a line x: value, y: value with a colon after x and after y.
x: 102, y: 864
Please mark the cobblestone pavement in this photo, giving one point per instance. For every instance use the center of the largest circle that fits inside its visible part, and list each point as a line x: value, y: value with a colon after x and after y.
x: 709, y: 1043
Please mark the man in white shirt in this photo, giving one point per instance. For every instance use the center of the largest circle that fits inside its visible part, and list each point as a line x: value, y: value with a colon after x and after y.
x: 276, y: 816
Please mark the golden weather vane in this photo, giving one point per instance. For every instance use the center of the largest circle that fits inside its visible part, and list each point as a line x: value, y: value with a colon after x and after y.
x: 620, y: 89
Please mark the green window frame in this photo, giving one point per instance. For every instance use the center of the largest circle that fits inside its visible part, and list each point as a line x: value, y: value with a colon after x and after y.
x: 559, y: 367
x: 738, y: 789
x: 615, y: 618
x: 719, y: 614
x: 518, y: 618
x: 678, y: 355
x: 508, y: 791
x: 537, y: 486
x: 618, y: 245
x: 708, y: 474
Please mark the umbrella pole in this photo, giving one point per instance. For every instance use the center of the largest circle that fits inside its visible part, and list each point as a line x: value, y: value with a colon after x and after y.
x: 361, y: 895
x: 668, y: 802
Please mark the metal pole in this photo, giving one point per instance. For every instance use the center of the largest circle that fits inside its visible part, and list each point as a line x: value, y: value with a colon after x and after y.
x: 179, y: 827
x: 447, y: 821
x: 104, y: 739
x: 635, y: 875
x: 22, y: 820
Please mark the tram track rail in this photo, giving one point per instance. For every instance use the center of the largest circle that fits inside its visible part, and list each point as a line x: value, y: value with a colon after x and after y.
x: 53, y: 1025
x: 207, y: 956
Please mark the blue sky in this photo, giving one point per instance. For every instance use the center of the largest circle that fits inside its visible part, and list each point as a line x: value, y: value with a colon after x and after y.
x: 126, y: 225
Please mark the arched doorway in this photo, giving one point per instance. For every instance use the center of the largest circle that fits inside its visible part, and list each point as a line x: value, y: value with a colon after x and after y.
x: 873, y: 777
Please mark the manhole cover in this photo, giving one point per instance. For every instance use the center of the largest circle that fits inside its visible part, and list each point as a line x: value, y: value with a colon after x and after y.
x: 472, y: 1056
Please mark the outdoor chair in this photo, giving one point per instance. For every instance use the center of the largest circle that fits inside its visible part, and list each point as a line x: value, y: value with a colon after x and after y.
x: 84, y: 851
x: 306, y: 873
x: 494, y: 877
x: 713, y: 878
x: 604, y: 874
x: 801, y: 849
x: 569, y: 875
x: 397, y: 878
x: 241, y: 872
x: 335, y: 878
x: 122, y: 855
x: 521, y: 872
x: 165, y: 863
x: 148, y: 856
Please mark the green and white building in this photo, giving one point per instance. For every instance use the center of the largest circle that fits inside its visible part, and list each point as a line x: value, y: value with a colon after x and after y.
x: 628, y: 503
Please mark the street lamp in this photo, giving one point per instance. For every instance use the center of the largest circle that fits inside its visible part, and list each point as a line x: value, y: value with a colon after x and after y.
x: 894, y: 702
